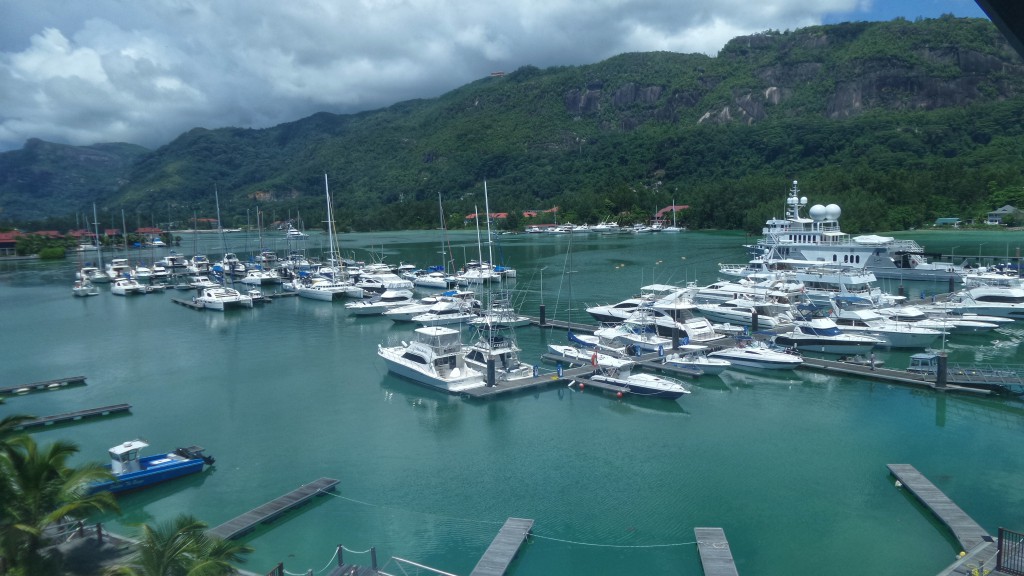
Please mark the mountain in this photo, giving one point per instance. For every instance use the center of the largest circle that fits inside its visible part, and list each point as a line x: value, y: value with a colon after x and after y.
x: 900, y: 122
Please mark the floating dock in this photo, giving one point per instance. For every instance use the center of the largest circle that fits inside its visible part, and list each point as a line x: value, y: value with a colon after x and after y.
x: 521, y: 384
x: 47, y: 385
x: 76, y: 415
x: 503, y: 548
x: 715, y: 555
x: 246, y: 522
x: 187, y: 303
x: 979, y: 546
x: 888, y: 375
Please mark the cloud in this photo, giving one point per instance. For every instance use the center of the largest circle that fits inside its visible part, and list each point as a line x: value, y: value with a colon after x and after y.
x: 144, y: 72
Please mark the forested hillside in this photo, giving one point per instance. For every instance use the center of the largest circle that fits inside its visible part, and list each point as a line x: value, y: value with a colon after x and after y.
x: 899, y: 122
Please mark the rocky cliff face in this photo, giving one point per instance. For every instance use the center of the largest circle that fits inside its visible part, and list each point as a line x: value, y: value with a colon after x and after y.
x: 835, y: 71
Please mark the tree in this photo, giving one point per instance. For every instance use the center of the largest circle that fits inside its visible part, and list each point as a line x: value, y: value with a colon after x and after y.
x: 40, y: 490
x: 182, y: 548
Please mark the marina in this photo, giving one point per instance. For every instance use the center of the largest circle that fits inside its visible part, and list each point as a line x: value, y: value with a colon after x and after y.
x: 504, y: 548
x: 292, y: 391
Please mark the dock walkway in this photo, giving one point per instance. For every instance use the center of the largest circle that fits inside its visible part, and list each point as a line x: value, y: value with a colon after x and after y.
x: 45, y: 385
x: 76, y: 415
x: 715, y: 556
x: 518, y: 385
x: 887, y: 375
x: 967, y: 532
x: 240, y: 525
x: 503, y: 548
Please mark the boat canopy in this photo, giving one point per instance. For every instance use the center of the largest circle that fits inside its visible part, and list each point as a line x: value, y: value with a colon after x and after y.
x: 872, y: 239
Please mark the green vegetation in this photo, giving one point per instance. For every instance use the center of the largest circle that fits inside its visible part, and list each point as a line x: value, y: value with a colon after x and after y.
x: 899, y: 122
x: 182, y: 547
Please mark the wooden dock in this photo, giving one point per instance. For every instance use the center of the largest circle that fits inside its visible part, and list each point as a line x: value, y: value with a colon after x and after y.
x: 76, y: 415
x: 46, y: 385
x: 715, y: 555
x: 503, y: 548
x: 967, y: 532
x: 240, y: 525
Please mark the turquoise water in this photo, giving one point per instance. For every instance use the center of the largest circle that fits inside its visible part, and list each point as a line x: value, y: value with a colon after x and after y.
x: 791, y: 466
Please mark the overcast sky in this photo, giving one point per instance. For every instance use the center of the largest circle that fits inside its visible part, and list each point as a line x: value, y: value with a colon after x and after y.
x: 82, y: 72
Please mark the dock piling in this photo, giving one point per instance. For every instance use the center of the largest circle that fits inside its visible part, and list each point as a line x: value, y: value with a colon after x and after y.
x: 543, y: 315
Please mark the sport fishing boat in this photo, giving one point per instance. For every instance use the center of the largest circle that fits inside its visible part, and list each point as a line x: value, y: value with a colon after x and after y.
x: 435, y: 358
x: 132, y: 471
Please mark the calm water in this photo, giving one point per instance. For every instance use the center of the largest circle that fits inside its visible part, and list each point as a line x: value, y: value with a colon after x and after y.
x: 791, y: 466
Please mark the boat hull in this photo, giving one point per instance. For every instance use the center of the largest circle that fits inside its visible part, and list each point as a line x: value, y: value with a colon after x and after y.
x: 152, y: 474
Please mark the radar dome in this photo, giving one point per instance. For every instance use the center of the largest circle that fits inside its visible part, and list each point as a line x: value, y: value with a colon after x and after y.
x: 803, y: 200
x: 817, y: 212
x: 832, y: 212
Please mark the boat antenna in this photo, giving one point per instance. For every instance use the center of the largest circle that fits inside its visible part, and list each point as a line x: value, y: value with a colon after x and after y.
x: 224, y: 272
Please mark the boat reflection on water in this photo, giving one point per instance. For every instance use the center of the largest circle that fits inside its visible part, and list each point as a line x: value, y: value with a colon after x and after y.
x: 635, y: 405
x: 744, y: 379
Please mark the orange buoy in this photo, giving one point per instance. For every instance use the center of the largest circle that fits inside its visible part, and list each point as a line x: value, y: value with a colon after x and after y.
x: 618, y: 394
x: 581, y: 385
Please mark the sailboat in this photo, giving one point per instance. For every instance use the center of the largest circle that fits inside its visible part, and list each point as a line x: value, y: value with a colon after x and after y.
x: 438, y: 276
x: 95, y: 274
x: 673, y: 227
x: 83, y: 286
x: 337, y: 285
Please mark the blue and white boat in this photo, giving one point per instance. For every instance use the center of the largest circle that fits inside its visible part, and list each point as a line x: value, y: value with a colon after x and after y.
x: 132, y: 471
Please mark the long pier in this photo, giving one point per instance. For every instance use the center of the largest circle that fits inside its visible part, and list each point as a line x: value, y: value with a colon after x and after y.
x: 509, y: 386
x: 503, y: 548
x: 240, y: 525
x: 715, y: 555
x: 76, y: 415
x: 45, y: 385
x: 980, y: 548
x: 888, y: 375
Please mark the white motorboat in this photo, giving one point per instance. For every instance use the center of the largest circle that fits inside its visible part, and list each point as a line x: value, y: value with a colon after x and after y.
x: 941, y: 321
x: 446, y: 312
x: 638, y: 333
x: 408, y: 312
x: 987, y: 300
x: 126, y: 287
x: 495, y: 348
x: 822, y: 335
x: 695, y: 357
x: 199, y: 282
x: 756, y: 355
x: 435, y: 358
x: 741, y: 311
x: 259, y: 277
x: 382, y: 281
x: 892, y: 334
x: 641, y: 384
x: 327, y: 289
x: 222, y: 298
x: 142, y: 273
x: 380, y: 303
x: 293, y: 233
x: 435, y: 279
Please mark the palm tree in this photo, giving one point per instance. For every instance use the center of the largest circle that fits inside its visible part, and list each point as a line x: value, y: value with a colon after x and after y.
x: 182, y: 548
x: 40, y: 490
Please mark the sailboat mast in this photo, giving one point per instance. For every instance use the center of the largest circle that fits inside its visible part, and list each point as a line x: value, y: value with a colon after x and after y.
x: 96, y: 226
x: 479, y: 247
x: 487, y: 215
x: 220, y: 225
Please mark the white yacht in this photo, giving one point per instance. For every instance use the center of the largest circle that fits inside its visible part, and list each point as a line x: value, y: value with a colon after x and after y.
x: 259, y: 277
x: 85, y: 288
x: 756, y: 355
x: 822, y: 335
x: 323, y: 288
x: 126, y: 287
x: 997, y: 301
x: 435, y: 357
x: 381, y: 303
x: 94, y: 275
x: 915, y: 316
x: 495, y: 346
x: 119, y: 268
x: 408, y: 312
x: 695, y: 357
x: 638, y: 333
x: 818, y: 237
x: 446, y: 312
x: 892, y: 334
x: 222, y: 298
x: 741, y: 311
